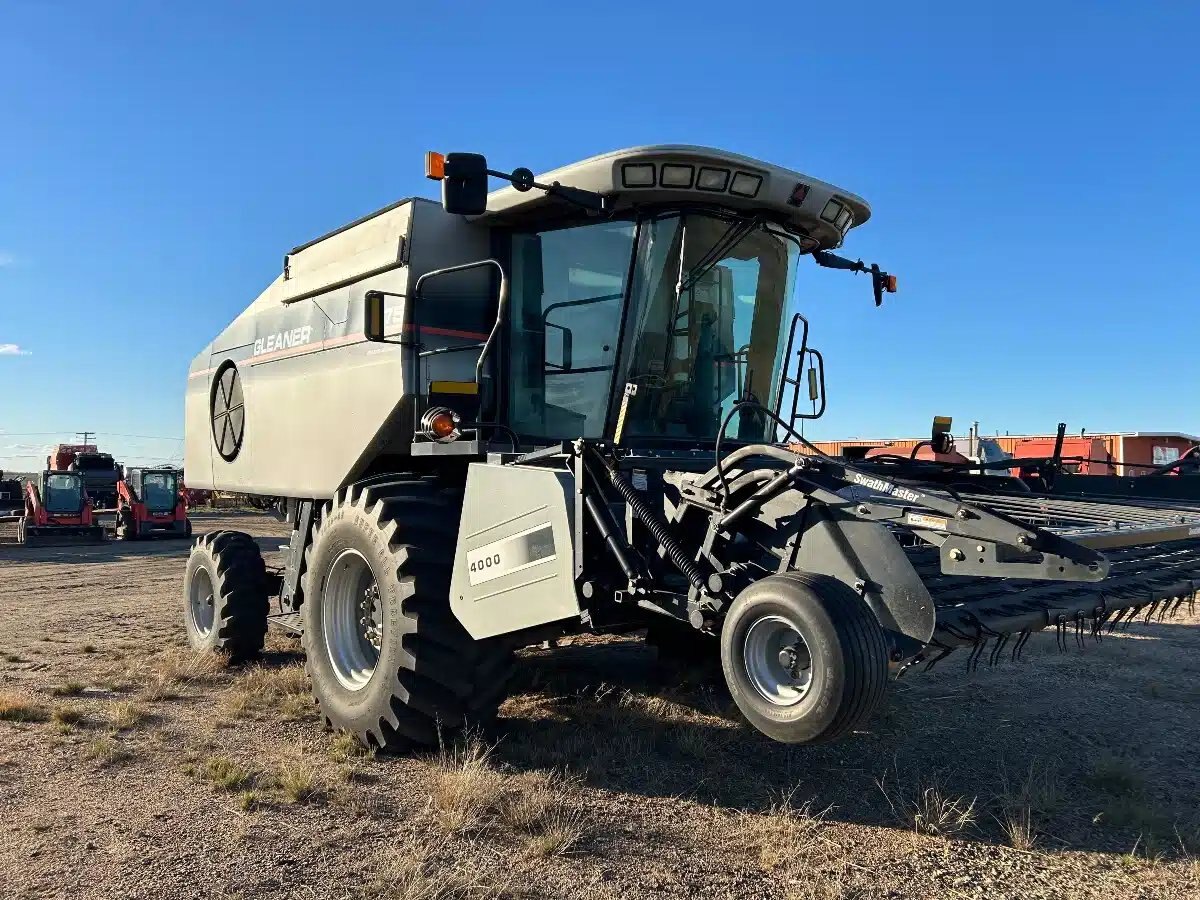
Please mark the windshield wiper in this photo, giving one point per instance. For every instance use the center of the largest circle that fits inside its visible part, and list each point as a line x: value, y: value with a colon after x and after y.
x: 730, y: 238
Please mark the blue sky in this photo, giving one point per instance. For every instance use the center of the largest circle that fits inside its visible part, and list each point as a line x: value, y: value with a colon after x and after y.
x: 1031, y: 170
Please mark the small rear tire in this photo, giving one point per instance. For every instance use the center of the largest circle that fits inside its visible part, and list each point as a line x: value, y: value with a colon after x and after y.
x: 804, y: 657
x: 225, y: 595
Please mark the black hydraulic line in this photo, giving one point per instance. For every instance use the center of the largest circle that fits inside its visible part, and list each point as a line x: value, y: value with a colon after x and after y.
x: 615, y: 543
x: 755, y: 500
x: 655, y: 523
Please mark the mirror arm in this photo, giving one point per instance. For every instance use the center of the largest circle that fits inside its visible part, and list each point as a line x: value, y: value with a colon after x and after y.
x: 522, y: 180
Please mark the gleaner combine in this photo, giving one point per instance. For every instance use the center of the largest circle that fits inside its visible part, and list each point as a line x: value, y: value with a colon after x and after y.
x: 567, y: 406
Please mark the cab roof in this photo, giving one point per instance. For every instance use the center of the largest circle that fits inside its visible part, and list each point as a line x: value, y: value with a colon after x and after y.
x: 682, y: 173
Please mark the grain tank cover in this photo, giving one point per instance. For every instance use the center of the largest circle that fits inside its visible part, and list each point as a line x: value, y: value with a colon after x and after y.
x: 682, y: 174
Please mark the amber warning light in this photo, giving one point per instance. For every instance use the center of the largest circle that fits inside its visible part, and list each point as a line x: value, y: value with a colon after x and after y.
x: 435, y: 165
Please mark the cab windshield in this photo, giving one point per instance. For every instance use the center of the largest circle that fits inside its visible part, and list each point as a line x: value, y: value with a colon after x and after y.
x: 158, y: 491
x: 64, y: 494
x: 688, y: 307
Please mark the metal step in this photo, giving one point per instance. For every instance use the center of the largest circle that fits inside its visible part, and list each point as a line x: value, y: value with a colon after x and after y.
x: 287, y: 621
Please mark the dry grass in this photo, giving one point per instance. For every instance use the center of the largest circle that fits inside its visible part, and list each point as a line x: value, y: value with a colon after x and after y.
x: 417, y: 870
x: 65, y: 715
x: 280, y: 693
x: 68, y: 689
x: 158, y: 677
x: 928, y: 809
x: 126, y: 715
x: 17, y: 708
x: 224, y: 773
x: 466, y: 788
x: 782, y: 835
x: 300, y: 781
x: 105, y: 751
x: 345, y: 747
x: 249, y: 800
x: 537, y: 804
x: 1025, y: 804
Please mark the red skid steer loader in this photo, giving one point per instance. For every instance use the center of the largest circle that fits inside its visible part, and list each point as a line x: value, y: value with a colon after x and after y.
x: 150, y: 502
x: 58, y: 511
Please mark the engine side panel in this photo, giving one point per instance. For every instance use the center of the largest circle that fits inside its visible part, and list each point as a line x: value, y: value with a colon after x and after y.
x: 319, y: 401
x: 513, y: 568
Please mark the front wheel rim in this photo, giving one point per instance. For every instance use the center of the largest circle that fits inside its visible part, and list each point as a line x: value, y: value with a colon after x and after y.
x: 202, y: 602
x: 352, y: 618
x: 778, y: 661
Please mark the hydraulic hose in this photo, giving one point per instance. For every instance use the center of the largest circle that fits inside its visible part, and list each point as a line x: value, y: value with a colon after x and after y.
x: 657, y: 527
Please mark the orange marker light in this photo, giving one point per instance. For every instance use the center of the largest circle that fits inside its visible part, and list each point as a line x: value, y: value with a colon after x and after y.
x: 442, y: 426
x: 891, y: 284
x: 435, y: 165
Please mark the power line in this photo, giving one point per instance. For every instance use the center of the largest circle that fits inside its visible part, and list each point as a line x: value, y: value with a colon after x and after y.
x: 145, y: 437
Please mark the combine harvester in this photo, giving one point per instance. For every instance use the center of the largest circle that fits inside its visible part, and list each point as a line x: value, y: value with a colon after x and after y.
x: 58, y: 510
x: 151, y: 502
x: 557, y: 408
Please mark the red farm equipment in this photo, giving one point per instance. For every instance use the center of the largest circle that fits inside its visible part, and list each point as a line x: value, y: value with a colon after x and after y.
x: 151, y: 503
x: 58, y: 510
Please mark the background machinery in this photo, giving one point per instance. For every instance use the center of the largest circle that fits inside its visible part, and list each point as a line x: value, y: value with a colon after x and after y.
x: 562, y: 407
x: 58, y: 510
x: 99, y: 470
x: 151, y: 502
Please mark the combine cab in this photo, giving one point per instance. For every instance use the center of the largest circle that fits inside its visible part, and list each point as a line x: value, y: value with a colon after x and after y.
x: 58, y: 511
x: 150, y: 503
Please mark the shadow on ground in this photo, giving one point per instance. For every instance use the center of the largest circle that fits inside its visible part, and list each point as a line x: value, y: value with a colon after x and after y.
x: 1063, y: 747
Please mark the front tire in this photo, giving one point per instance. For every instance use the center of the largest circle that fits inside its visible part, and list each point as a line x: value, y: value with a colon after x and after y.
x: 804, y: 657
x: 225, y: 595
x: 387, y: 659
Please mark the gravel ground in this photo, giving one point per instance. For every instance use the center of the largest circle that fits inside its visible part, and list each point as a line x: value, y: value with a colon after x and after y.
x: 130, y: 767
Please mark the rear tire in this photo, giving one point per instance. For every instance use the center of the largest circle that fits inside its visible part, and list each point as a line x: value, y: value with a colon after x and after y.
x: 387, y: 659
x: 225, y: 595
x: 804, y: 657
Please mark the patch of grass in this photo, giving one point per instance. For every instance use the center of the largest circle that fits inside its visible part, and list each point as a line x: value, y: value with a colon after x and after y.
x: 928, y: 809
x: 1025, y: 803
x: 300, y: 781
x: 270, y: 692
x: 126, y: 715
x: 66, y: 715
x: 345, y: 746
x: 249, y: 800
x: 105, y: 751
x: 782, y: 835
x: 417, y: 870
x: 89, y: 648
x: 16, y: 708
x: 537, y: 804
x: 157, y: 675
x: 68, y: 689
x: 466, y: 788
x: 224, y: 773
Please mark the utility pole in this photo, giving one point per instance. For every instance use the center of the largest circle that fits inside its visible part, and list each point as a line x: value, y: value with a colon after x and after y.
x: 85, y: 435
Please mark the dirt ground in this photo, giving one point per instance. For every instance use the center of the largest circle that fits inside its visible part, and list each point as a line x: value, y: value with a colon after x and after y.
x: 131, y: 767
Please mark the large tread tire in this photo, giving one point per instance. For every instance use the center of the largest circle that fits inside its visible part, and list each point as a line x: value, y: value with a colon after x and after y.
x: 848, y: 648
x: 237, y: 575
x: 431, y: 679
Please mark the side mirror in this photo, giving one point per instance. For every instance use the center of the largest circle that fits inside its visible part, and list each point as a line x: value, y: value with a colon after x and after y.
x: 940, y: 438
x: 373, y: 317
x: 464, y: 178
x: 881, y: 281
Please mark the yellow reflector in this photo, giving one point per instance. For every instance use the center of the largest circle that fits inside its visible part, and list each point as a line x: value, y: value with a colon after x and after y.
x: 453, y: 387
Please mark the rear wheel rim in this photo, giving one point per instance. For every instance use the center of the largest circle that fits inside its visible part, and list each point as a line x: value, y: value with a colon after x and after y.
x: 352, y: 620
x: 202, y: 602
x: 778, y: 661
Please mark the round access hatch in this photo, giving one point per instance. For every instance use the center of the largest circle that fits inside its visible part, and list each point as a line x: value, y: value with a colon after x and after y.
x: 228, y: 412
